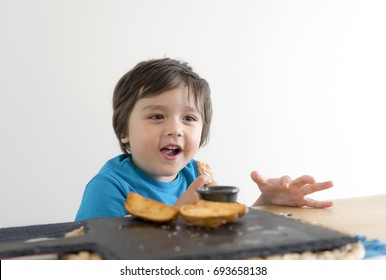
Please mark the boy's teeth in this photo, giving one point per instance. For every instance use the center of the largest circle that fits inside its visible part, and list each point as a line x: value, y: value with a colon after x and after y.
x: 171, y: 150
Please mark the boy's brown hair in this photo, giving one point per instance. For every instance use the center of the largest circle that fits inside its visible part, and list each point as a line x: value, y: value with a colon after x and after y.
x: 150, y: 78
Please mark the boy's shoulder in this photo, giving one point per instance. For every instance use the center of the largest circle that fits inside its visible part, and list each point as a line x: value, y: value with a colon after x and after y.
x: 116, y: 163
x: 191, y: 168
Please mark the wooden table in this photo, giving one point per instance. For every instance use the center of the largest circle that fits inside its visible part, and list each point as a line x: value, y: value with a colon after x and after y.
x: 362, y: 215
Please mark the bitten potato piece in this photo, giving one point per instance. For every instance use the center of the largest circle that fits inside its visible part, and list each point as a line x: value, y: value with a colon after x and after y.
x: 149, y: 209
x: 212, y: 214
x: 204, y: 168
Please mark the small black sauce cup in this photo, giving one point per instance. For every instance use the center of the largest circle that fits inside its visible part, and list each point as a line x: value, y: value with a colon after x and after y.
x: 219, y: 193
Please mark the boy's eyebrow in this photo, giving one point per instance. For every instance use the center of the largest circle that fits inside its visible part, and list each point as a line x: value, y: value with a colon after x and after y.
x: 152, y: 107
x: 160, y: 107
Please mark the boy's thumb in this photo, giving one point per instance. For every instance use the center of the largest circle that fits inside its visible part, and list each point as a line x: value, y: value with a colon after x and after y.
x: 199, y: 182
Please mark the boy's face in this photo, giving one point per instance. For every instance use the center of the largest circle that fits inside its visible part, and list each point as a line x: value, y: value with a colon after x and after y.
x: 164, y: 133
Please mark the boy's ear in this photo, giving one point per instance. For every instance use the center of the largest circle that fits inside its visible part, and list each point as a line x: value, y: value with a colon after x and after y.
x: 125, y: 139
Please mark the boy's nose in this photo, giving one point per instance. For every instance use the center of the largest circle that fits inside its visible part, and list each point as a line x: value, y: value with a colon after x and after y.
x: 174, y: 128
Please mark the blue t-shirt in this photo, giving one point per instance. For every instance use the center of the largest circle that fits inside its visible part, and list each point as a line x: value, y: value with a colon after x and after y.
x: 105, y: 195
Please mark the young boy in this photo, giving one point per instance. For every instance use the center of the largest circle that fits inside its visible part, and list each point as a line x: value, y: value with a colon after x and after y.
x: 162, y: 115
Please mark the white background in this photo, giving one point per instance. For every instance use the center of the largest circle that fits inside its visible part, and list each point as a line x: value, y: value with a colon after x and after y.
x: 298, y: 88
x: 295, y: 269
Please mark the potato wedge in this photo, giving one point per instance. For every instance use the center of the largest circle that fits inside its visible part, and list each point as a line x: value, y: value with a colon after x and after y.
x: 212, y: 214
x: 149, y: 209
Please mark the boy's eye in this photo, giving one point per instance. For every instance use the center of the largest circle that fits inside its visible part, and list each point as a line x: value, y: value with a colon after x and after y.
x: 190, y: 118
x: 156, y: 117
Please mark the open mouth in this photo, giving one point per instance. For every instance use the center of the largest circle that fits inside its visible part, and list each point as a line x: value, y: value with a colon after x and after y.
x: 171, y: 150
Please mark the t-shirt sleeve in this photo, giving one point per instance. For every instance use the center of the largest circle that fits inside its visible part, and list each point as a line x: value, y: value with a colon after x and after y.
x: 103, y: 197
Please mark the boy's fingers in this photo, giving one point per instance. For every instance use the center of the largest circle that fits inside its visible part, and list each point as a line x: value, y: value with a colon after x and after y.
x: 191, y: 196
x: 257, y: 178
x: 199, y: 182
x: 277, y: 183
x: 285, y: 181
x: 303, y: 180
x: 311, y: 188
x: 318, y: 204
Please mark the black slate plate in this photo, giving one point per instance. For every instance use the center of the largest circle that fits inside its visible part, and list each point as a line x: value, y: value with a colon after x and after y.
x: 258, y: 234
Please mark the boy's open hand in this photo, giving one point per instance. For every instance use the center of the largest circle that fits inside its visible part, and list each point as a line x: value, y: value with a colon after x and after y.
x: 287, y: 192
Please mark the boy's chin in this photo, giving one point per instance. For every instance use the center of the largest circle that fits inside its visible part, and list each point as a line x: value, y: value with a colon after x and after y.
x: 166, y: 175
x: 166, y: 178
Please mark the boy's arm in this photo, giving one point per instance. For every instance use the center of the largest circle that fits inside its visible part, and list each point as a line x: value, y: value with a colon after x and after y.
x: 103, y: 197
